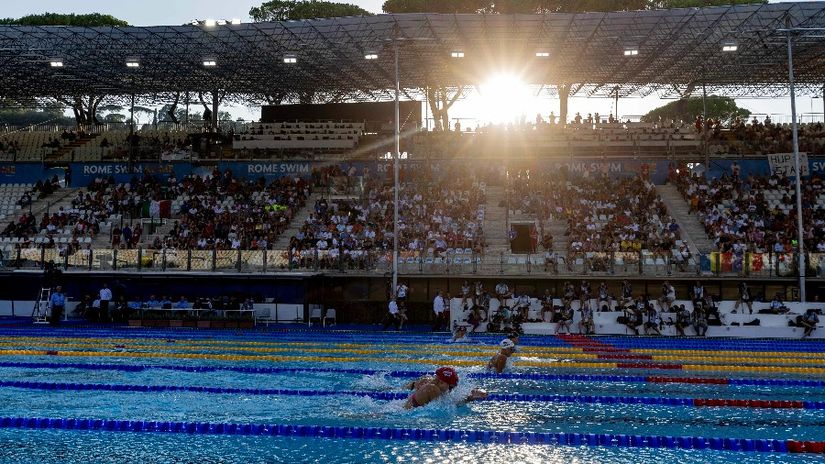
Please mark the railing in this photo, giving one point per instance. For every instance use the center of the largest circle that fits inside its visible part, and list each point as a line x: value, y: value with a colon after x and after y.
x: 630, y: 264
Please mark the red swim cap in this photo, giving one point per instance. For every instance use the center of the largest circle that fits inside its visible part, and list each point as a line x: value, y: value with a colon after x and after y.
x: 447, y: 375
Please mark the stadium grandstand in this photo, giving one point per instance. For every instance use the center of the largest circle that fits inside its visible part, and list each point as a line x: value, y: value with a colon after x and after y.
x: 307, y: 194
x: 589, y: 269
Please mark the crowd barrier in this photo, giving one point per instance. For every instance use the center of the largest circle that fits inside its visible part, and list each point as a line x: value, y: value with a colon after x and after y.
x: 459, y: 262
x: 410, y: 434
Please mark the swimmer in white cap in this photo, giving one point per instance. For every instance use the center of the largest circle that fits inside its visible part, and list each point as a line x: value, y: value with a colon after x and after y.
x: 499, y: 361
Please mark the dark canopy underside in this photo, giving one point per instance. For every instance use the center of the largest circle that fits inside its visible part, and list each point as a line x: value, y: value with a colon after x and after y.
x: 678, y: 51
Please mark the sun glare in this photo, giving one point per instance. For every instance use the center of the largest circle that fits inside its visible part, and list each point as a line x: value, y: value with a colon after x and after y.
x: 504, y: 98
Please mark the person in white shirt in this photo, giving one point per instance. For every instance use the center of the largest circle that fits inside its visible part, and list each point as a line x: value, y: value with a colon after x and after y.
x: 439, y: 311
x: 392, y: 316
x: 668, y: 296
x: 105, y: 298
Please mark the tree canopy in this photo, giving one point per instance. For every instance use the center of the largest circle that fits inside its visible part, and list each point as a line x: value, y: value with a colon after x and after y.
x: 287, y: 10
x: 59, y: 19
x: 722, y: 108
x: 544, y: 6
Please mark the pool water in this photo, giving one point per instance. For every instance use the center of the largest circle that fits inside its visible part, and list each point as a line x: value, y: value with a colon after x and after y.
x: 355, y: 381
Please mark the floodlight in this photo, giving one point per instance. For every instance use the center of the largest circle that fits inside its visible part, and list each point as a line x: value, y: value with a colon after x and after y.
x: 631, y: 51
x: 210, y: 23
x: 132, y: 64
x: 56, y: 63
x: 290, y: 58
x: 542, y: 54
x: 371, y: 56
x: 235, y: 21
x: 457, y: 54
x: 730, y: 46
x: 209, y: 62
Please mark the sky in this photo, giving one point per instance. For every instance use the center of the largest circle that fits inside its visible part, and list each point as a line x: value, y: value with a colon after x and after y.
x: 173, y: 12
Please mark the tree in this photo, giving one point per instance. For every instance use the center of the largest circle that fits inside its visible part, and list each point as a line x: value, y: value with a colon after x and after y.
x: 57, y: 19
x: 287, y: 10
x: 27, y: 112
x: 686, y: 109
x: 84, y: 107
x: 544, y: 6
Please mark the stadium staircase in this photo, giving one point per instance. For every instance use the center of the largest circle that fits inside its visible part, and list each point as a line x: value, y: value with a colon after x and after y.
x: 61, y: 153
x: 298, y: 221
x: 558, y: 229
x: 495, y: 222
x: 692, y: 231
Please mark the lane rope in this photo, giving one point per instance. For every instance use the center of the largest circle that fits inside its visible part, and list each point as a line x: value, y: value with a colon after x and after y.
x: 412, y: 374
x: 413, y: 434
x: 506, y: 397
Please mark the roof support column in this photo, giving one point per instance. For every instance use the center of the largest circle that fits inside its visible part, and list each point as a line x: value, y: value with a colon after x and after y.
x: 564, y: 95
x: 800, y: 233
x: 215, y: 103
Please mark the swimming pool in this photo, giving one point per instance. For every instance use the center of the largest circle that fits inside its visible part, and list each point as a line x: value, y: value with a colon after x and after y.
x: 87, y: 395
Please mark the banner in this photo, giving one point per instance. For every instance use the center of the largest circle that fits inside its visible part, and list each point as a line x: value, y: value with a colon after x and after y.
x: 782, y: 164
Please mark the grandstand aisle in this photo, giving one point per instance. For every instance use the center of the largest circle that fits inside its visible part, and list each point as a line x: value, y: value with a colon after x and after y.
x: 495, y: 221
x: 692, y: 230
x: 282, y: 243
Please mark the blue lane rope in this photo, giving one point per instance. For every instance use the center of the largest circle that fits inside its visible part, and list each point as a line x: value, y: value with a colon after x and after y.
x: 528, y: 340
x: 396, y: 373
x: 411, y: 434
x: 389, y: 396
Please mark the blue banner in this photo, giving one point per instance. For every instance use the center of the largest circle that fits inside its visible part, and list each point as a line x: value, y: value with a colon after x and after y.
x: 26, y: 173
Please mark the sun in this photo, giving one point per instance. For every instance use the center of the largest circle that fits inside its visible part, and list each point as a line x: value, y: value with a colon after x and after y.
x: 502, y: 99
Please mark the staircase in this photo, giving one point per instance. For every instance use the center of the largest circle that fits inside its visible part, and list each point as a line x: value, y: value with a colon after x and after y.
x: 557, y: 228
x: 298, y: 221
x: 495, y: 222
x: 67, y: 149
x: 692, y: 230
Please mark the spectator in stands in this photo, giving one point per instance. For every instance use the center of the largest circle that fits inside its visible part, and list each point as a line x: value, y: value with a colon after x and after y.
x: 699, y: 319
x: 668, y: 296
x: 547, y: 306
x: 698, y: 292
x: 744, y: 298
x: 503, y: 292
x: 683, y: 320
x: 604, y: 298
x: 586, y: 325
x: 653, y: 322
x: 523, y: 306
x: 809, y: 322
x: 565, y: 320
x: 777, y: 306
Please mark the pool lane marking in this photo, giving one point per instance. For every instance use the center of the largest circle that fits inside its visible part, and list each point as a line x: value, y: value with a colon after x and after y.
x: 392, y: 396
x: 428, y: 435
x: 456, y: 362
x: 618, y: 354
x: 756, y: 381
x: 523, y: 360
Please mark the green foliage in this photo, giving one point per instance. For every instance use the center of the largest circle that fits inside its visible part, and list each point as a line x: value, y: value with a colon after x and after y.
x: 114, y: 118
x: 27, y: 113
x: 723, y: 108
x: 58, y: 19
x: 698, y: 3
x: 544, y: 6
x: 287, y: 10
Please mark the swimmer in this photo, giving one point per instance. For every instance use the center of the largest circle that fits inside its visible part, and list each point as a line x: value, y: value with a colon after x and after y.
x: 499, y: 361
x: 460, y: 334
x: 429, y: 388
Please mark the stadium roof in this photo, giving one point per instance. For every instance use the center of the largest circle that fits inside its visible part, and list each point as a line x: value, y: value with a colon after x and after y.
x: 678, y: 51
